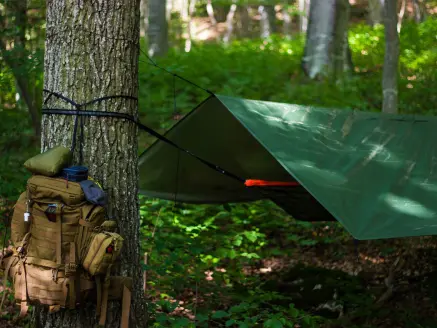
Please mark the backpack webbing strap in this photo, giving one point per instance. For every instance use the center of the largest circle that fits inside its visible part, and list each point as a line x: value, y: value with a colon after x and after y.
x: 23, y: 306
x: 70, y: 273
x: 125, y: 309
x: 59, y: 237
x: 104, y: 307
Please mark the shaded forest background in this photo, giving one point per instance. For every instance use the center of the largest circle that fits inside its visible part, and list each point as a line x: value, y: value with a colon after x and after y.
x: 250, y: 265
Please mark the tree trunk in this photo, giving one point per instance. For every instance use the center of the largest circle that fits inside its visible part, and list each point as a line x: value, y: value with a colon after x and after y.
x: 158, y: 28
x: 210, y: 11
x: 230, y: 23
x: 401, y: 15
x: 391, y: 59
x: 287, y: 20
x: 267, y: 20
x: 244, y: 21
x: 327, y: 49
x: 419, y: 11
x: 144, y: 25
x: 304, y: 6
x: 319, y: 37
x: 341, y: 55
x: 376, y: 12
x: 92, y: 51
x: 189, y: 23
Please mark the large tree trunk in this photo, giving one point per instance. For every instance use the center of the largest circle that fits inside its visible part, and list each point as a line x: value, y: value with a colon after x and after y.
x: 267, y: 20
x: 327, y: 49
x: 375, y: 11
x: 158, y: 28
x: 391, y: 59
x: 92, y: 51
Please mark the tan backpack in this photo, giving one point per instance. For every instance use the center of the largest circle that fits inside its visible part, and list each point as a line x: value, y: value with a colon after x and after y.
x: 63, y: 250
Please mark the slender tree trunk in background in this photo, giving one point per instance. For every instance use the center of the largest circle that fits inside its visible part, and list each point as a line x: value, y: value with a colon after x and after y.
x: 376, y: 11
x: 401, y: 15
x: 158, y: 28
x: 244, y: 21
x: 304, y: 8
x: 267, y: 21
x: 144, y: 19
x: 419, y: 11
x: 327, y: 49
x: 287, y: 20
x: 210, y: 11
x: 92, y: 51
x: 341, y: 54
x: 230, y: 23
x: 391, y: 59
x: 190, y: 25
x: 319, y: 37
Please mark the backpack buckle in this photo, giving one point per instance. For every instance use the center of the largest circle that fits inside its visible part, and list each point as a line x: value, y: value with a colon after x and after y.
x: 70, y: 269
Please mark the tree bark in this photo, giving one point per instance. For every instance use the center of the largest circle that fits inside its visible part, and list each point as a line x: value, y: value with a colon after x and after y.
x: 419, y: 11
x: 244, y: 21
x: 401, y: 15
x: 304, y: 6
x: 391, y: 59
x: 287, y: 20
x: 230, y: 23
x: 92, y: 51
x: 376, y: 12
x: 268, y: 17
x: 327, y: 49
x: 341, y: 55
x: 319, y: 37
x: 210, y: 11
x: 158, y: 28
x: 144, y: 25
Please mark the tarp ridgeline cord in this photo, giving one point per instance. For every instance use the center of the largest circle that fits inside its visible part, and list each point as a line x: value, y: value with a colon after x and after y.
x: 78, y: 112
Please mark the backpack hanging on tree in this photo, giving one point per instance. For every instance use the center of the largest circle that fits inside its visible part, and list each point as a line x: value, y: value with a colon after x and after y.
x: 64, y: 248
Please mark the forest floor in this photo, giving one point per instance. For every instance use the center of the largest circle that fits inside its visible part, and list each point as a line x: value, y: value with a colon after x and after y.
x: 390, y: 283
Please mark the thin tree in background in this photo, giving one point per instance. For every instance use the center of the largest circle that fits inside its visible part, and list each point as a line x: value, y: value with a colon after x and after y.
x: 391, y: 59
x: 401, y: 15
x: 304, y: 8
x: 92, y: 51
x: 375, y: 11
x: 244, y: 21
x: 158, y: 28
x: 144, y: 25
x: 287, y: 19
x: 326, y: 48
x: 419, y: 11
x: 267, y: 20
x: 230, y: 23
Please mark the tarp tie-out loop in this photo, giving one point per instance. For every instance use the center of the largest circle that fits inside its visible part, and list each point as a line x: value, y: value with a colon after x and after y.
x: 79, y: 112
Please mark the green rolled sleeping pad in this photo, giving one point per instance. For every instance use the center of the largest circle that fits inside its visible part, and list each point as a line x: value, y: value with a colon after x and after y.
x: 51, y: 162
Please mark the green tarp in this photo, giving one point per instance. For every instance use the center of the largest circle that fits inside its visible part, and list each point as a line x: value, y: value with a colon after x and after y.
x: 376, y: 174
